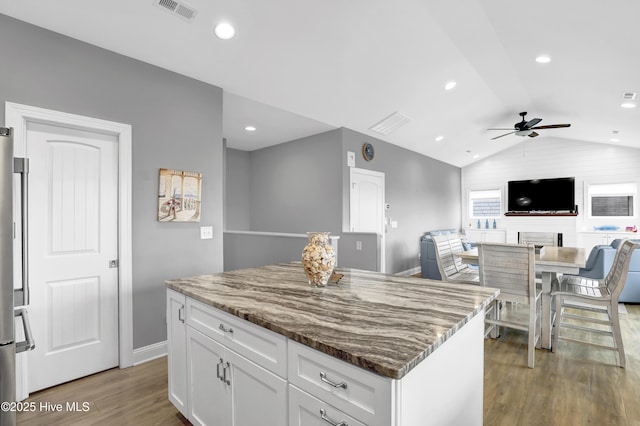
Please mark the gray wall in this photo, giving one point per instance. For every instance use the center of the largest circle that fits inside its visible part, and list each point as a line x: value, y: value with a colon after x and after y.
x: 297, y: 186
x: 303, y: 185
x: 424, y: 195
x: 237, y: 205
x: 177, y: 123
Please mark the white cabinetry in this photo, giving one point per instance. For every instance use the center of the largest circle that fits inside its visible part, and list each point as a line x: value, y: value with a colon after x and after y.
x: 592, y: 239
x: 238, y: 373
x: 208, y: 399
x: 486, y: 235
x: 228, y: 389
x: 353, y: 390
x: 306, y: 410
x: 224, y: 371
x: 176, y: 335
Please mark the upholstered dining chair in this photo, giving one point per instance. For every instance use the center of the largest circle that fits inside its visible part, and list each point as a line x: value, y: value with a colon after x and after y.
x: 511, y: 268
x: 583, y: 295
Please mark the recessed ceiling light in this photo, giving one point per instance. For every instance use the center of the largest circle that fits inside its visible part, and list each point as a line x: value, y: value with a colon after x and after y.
x: 628, y: 105
x: 250, y: 128
x: 476, y: 156
x: 224, y: 31
x: 450, y: 85
x: 439, y: 138
x: 614, y: 140
x: 543, y: 59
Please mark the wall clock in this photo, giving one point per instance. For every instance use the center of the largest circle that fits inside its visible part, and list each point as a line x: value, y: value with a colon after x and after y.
x: 367, y: 151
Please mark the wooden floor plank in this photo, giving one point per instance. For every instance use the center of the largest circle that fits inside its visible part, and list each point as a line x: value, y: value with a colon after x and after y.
x: 576, y: 385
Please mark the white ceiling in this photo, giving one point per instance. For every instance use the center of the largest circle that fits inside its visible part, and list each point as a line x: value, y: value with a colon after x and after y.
x: 298, y: 67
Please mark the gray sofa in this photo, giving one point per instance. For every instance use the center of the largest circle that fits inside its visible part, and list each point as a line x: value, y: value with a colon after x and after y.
x: 600, y: 261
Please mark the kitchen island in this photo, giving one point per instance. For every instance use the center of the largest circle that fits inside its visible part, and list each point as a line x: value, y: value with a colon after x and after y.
x: 261, y: 346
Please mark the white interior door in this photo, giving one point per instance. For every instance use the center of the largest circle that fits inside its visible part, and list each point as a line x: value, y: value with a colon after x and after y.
x: 366, y: 205
x: 73, y: 218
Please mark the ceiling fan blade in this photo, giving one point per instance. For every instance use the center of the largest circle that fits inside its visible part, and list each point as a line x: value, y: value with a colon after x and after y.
x: 552, y: 126
x: 510, y: 133
x: 533, y: 134
x: 510, y: 128
x: 532, y: 123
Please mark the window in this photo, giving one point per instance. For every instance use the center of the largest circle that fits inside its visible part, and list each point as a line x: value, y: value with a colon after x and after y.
x: 612, y: 200
x: 485, y: 204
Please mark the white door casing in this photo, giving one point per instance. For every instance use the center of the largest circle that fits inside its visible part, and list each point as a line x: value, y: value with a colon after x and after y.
x: 366, y: 205
x: 20, y: 117
x: 73, y: 242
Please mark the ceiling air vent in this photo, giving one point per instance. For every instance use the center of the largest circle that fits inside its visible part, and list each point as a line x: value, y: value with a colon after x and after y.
x: 390, y: 124
x: 177, y: 8
x: 629, y: 96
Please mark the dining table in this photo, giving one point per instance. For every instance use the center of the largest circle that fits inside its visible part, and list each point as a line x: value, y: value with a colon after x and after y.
x: 550, y: 261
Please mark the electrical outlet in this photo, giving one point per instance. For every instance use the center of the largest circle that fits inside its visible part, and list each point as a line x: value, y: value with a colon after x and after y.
x: 206, y: 232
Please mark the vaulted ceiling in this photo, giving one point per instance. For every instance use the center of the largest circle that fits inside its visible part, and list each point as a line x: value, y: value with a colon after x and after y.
x: 297, y: 67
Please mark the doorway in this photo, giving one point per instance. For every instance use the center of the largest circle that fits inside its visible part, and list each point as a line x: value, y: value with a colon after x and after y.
x: 81, y: 185
x: 366, y: 205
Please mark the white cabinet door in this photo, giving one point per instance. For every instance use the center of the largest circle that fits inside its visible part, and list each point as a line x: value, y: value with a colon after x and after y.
x: 177, y: 351
x: 258, y: 397
x: 592, y: 239
x: 227, y: 389
x: 486, y: 235
x: 209, y: 394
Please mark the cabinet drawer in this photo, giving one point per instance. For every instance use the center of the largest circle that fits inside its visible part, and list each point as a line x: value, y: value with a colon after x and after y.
x: 305, y: 410
x: 262, y: 346
x: 351, y: 389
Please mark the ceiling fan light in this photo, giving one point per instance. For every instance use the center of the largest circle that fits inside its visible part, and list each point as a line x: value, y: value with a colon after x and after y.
x: 524, y: 132
x: 450, y: 85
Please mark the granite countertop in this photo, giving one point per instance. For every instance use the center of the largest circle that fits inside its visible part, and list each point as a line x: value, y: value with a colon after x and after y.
x: 383, y: 323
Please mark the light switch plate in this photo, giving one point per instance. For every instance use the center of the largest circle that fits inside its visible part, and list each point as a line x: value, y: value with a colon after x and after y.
x: 351, y: 159
x: 206, y: 232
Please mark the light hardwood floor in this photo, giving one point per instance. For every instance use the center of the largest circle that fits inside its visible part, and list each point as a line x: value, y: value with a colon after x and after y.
x: 576, y: 385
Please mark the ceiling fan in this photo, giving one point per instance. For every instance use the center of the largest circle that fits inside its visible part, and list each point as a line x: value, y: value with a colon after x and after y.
x: 528, y: 128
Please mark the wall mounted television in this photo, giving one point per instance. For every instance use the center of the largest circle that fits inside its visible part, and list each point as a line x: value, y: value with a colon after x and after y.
x: 541, y: 195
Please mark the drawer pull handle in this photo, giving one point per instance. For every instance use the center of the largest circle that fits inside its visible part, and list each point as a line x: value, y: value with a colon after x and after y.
x: 323, y: 377
x: 226, y: 379
x: 218, y: 375
x: 224, y: 329
x: 323, y: 416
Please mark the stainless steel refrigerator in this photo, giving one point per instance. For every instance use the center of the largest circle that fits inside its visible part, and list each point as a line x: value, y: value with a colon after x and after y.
x: 11, y: 297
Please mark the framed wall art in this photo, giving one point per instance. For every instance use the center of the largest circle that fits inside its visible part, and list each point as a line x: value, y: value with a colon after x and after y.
x: 179, y: 196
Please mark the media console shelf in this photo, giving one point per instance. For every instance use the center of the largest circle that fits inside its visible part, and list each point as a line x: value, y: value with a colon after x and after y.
x: 540, y: 214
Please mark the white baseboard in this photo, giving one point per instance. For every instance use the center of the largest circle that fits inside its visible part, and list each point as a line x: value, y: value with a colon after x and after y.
x: 410, y: 272
x: 148, y: 353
